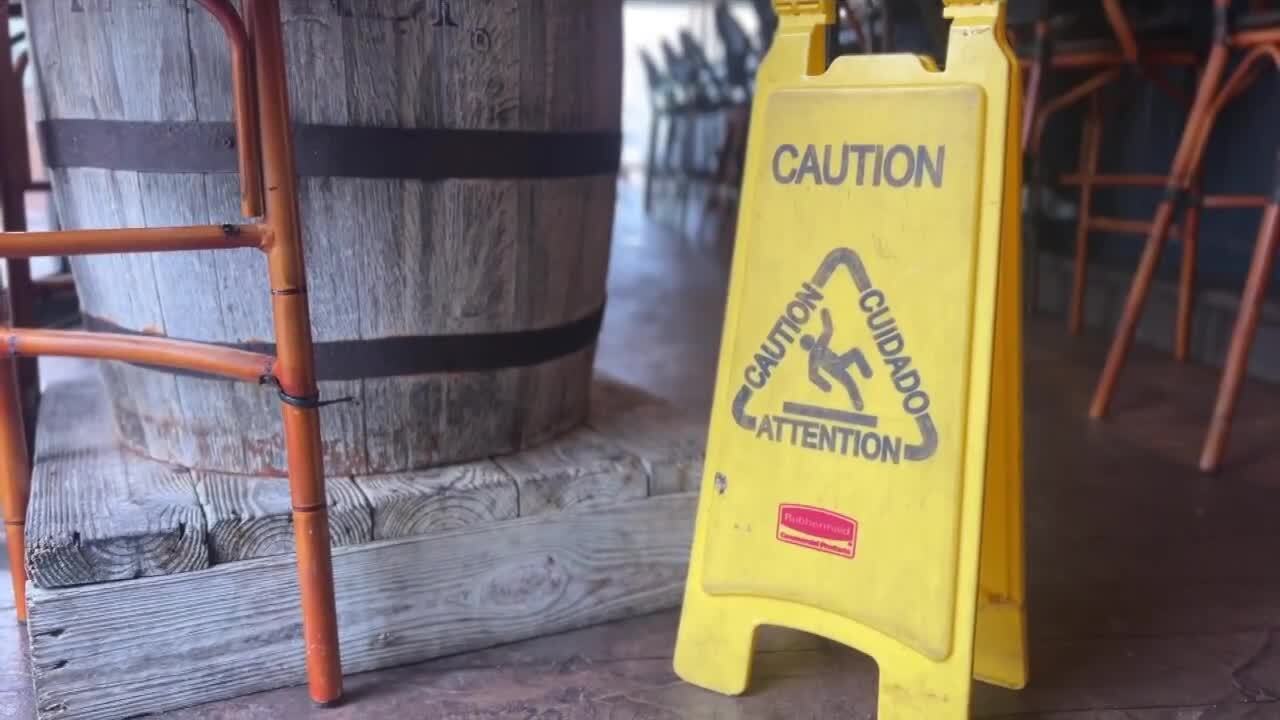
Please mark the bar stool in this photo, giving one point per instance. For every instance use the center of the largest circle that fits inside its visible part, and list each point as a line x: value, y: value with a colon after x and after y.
x: 855, y: 33
x: 1257, y: 35
x: 661, y: 102
x: 766, y: 23
x: 15, y: 182
x: 741, y: 59
x: 267, y: 180
x: 1107, y: 44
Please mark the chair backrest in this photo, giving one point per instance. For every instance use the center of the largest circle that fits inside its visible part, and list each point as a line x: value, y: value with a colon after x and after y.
x: 738, y: 48
x: 651, y: 71
x: 264, y: 155
x: 706, y: 81
x: 767, y: 21
x: 678, y: 68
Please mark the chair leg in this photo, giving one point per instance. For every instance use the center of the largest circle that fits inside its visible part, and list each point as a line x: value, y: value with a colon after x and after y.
x: 1242, y: 336
x: 689, y: 164
x: 22, y: 306
x: 675, y: 167
x: 294, y: 367
x: 1035, y: 80
x: 1179, y: 175
x: 727, y: 172
x: 1088, y: 167
x: 719, y: 179
x: 650, y: 169
x: 1035, y: 227
x: 665, y: 168
x: 737, y: 150
x: 1187, y: 275
x: 314, y: 561
x: 15, y: 479
x: 15, y: 178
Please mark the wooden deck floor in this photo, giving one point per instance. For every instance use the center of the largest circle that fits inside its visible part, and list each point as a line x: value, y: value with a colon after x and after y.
x: 1154, y: 590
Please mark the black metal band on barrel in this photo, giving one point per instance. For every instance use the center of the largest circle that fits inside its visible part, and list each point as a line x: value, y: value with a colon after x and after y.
x: 335, y: 151
x: 423, y: 354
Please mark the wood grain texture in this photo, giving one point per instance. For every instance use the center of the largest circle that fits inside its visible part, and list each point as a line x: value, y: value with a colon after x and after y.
x: 94, y: 499
x: 439, y: 500
x: 251, y: 517
x: 109, y: 651
x: 582, y: 468
x: 669, y: 442
x: 99, y: 514
x: 385, y: 257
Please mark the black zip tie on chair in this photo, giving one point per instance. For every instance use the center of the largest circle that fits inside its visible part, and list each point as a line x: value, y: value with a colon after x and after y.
x: 312, y: 402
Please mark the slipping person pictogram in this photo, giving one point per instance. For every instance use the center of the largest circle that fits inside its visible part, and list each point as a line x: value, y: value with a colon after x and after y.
x: 823, y: 359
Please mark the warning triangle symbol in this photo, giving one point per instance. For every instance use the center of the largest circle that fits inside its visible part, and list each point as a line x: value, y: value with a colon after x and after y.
x: 847, y: 371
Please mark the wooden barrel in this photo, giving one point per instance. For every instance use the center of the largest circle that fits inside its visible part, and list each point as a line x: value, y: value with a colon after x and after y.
x: 457, y: 163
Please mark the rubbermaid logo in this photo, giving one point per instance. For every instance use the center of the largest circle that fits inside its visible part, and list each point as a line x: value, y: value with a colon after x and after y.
x: 817, y: 529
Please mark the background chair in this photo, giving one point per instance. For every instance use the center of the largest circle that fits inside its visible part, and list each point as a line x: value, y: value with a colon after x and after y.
x: 268, y: 191
x: 1254, y: 38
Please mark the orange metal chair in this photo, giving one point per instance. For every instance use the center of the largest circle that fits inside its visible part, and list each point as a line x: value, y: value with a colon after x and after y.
x: 1106, y: 58
x: 15, y: 183
x: 1257, y: 34
x: 265, y: 150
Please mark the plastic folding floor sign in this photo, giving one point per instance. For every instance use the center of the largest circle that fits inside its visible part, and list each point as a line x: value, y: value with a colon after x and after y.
x: 863, y: 475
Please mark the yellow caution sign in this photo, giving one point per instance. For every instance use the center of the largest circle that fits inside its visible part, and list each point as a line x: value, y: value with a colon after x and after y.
x: 863, y: 472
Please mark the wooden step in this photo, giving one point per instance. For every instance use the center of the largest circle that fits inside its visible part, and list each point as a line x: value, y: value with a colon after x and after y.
x: 156, y: 587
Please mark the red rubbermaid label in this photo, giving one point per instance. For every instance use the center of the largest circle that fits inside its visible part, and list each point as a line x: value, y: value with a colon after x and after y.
x: 817, y: 529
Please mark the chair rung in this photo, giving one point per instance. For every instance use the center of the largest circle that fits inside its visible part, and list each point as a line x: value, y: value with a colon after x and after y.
x: 1112, y: 58
x: 1116, y: 180
x: 1119, y: 225
x: 1222, y: 202
x: 165, y: 352
x: 1254, y: 38
x: 130, y: 240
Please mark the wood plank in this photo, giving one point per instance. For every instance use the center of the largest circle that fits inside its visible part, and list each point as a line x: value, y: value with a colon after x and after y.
x: 197, y: 409
x: 151, y: 81
x: 111, y: 651
x: 251, y: 414
x: 439, y: 500
x: 251, y: 517
x: 669, y: 442
x: 582, y: 468
x: 99, y: 514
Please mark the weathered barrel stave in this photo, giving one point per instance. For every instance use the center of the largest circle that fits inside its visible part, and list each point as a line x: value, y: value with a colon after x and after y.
x: 387, y: 257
